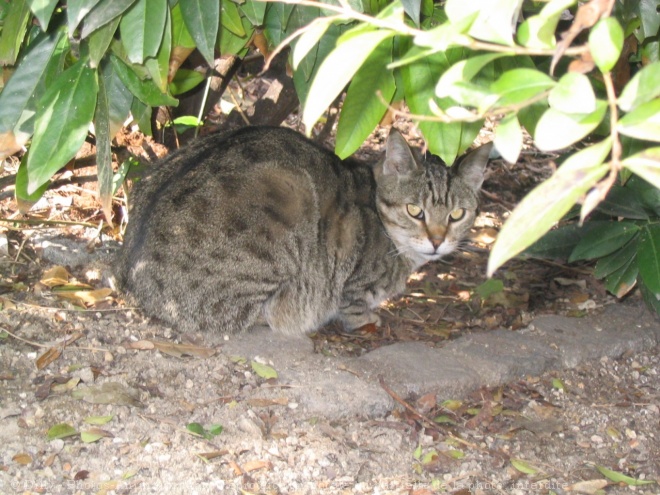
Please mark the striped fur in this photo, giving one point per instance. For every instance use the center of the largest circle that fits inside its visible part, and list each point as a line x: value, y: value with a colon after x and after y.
x: 262, y: 222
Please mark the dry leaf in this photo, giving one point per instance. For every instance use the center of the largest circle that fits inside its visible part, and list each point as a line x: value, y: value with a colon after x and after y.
x: 212, y: 455
x: 588, y: 487
x: 281, y: 401
x: 256, y: 465
x: 22, y: 458
x: 48, y: 357
x: 426, y: 402
x: 55, y: 276
x: 141, y: 345
x: 108, y: 393
x: 86, y: 297
x: 65, y: 387
x: 179, y: 350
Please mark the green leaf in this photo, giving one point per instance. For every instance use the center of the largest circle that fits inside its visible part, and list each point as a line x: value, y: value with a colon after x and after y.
x: 413, y: 9
x: 363, y: 109
x: 42, y: 10
x: 419, y: 79
x: 159, y: 66
x: 558, y: 384
x: 624, y: 202
x: 276, y: 21
x: 604, y: 240
x: 643, y: 122
x: 98, y: 420
x: 142, y: 28
x: 146, y: 91
x: 442, y: 37
x: 103, y: 151
x: 104, y: 12
x: 202, y: 18
x: 119, y: 97
x: 462, y: 72
x: 538, y: 31
x: 623, y: 279
x: 337, y: 70
x: 76, y: 10
x: 308, y: 40
x: 142, y: 116
x: 263, y: 370
x: 488, y: 288
x: 63, y: 118
x: 24, y: 200
x: 646, y: 164
x: 524, y: 466
x: 61, y: 430
x: 99, y: 41
x: 196, y: 428
x: 231, y: 18
x: 643, y: 87
x: 18, y: 90
x: 180, y: 35
x: 494, y: 18
x: 549, y: 202
x: 13, y: 31
x: 558, y: 243
x: 606, y: 43
x: 617, y: 259
x: 622, y: 478
x: 93, y: 435
x: 648, y: 257
x: 185, y: 80
x: 509, y: 138
x: 557, y: 130
x: 519, y: 85
x: 231, y: 44
x: 255, y: 11
x: 573, y: 94
x: 215, y: 430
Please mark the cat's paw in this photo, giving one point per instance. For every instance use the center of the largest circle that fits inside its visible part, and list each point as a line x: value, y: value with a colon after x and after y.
x: 355, y: 321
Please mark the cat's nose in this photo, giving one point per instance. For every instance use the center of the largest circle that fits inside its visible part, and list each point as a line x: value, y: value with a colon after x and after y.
x: 436, y: 242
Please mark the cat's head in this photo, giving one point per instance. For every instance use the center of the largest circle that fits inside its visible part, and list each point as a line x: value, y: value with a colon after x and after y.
x: 427, y: 208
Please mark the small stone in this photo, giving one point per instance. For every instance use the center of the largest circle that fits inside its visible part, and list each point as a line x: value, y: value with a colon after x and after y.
x: 596, y: 439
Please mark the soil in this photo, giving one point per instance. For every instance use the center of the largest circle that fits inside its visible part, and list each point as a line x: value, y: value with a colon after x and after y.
x: 89, y: 406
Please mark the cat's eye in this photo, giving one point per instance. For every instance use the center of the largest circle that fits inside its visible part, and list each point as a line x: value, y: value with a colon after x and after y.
x: 415, y: 211
x: 457, y: 214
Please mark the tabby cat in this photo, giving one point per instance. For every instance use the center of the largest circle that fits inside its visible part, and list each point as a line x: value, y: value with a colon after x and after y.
x: 262, y: 223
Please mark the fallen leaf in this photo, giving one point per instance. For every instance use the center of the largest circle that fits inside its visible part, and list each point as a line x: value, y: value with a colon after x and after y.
x: 81, y: 475
x: 55, y: 276
x: 141, y: 345
x: 22, y: 458
x: 426, y: 402
x: 94, y: 434
x: 622, y: 478
x: 65, y: 387
x: 85, y: 297
x: 263, y: 370
x: 524, y: 466
x: 108, y: 393
x: 280, y: 401
x: 61, y: 430
x: 256, y: 465
x: 98, y: 420
x: 588, y: 487
x: 179, y: 350
x: 48, y: 357
x: 212, y: 455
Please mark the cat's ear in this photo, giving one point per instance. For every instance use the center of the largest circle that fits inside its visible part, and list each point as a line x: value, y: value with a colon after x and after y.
x: 399, y: 158
x: 472, y: 167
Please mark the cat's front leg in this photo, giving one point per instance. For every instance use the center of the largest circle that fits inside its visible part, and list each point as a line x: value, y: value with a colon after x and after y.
x: 357, y: 314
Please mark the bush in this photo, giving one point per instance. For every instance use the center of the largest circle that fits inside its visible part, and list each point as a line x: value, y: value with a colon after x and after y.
x: 562, y: 73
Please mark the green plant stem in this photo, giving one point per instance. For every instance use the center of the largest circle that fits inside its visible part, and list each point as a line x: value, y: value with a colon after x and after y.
x: 402, y: 28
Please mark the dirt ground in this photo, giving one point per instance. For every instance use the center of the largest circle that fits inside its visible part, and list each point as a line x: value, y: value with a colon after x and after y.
x: 96, y: 399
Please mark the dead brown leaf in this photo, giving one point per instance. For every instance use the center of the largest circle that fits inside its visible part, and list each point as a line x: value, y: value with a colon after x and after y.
x: 22, y: 458
x: 587, y: 15
x: 48, y: 357
x: 256, y: 465
x: 587, y: 487
x: 280, y: 401
x: 426, y: 403
x: 86, y: 297
x: 55, y: 276
x: 212, y: 455
x: 179, y: 350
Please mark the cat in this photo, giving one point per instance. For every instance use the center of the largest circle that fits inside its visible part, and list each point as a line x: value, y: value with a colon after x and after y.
x: 264, y: 224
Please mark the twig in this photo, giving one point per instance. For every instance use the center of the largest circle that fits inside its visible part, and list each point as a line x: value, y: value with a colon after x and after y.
x: 429, y: 422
